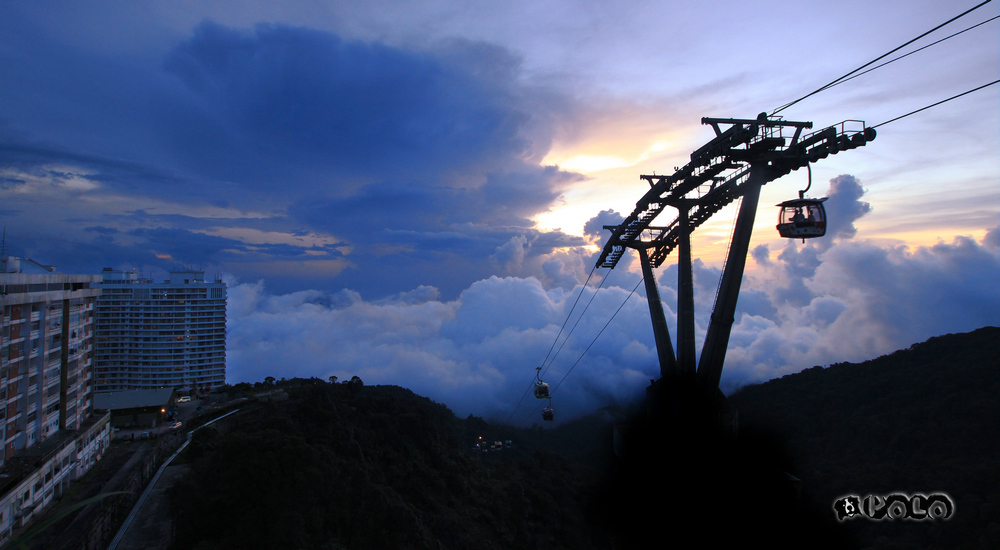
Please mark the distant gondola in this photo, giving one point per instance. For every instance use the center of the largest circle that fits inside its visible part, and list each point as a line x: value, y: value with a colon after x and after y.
x: 542, y: 392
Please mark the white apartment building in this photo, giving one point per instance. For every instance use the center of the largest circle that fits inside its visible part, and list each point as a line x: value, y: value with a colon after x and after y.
x: 47, y: 426
x: 156, y: 335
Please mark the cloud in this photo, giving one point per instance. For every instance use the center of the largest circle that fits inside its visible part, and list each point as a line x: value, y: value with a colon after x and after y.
x: 476, y: 353
x: 848, y: 301
x: 422, y: 161
x: 863, y: 300
x: 844, y: 206
x: 992, y: 238
x: 595, y: 227
x: 281, y: 98
x: 511, y: 254
x: 844, y: 299
x: 396, y: 178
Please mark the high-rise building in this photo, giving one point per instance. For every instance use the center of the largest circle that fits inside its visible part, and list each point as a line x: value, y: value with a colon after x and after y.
x: 48, y: 428
x: 47, y: 352
x: 157, y: 335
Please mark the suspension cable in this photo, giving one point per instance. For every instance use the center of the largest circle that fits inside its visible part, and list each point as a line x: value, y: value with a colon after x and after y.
x: 879, y: 58
x: 568, y: 316
x: 578, y: 319
x: 936, y: 104
x: 594, y: 341
x: 915, y: 51
x: 584, y: 352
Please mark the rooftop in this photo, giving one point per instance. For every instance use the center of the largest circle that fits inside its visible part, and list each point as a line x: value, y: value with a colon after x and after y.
x: 132, y: 399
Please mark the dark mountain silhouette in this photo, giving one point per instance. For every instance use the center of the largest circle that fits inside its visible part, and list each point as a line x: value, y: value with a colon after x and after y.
x: 354, y: 466
x: 921, y: 420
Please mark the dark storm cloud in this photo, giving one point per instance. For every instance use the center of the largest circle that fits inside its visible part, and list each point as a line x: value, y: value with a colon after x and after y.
x: 10, y: 183
x: 101, y: 230
x: 36, y: 159
x: 87, y: 255
x: 196, y: 248
x: 505, y: 199
x: 302, y: 106
x: 168, y: 246
x: 402, y: 155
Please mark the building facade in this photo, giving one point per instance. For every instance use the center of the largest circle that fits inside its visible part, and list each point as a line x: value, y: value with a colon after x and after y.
x: 46, y: 359
x: 157, y: 335
x: 50, y: 433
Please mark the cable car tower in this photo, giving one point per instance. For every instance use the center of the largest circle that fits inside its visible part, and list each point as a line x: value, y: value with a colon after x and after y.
x: 743, y: 156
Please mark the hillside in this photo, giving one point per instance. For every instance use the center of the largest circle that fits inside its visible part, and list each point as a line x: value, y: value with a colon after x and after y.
x: 350, y: 466
x: 354, y: 466
x: 920, y: 420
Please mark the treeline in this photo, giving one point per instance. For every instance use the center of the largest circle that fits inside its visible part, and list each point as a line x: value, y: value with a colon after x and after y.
x: 353, y: 466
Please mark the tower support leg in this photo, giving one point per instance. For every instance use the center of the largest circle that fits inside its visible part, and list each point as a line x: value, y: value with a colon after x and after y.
x: 713, y: 354
x: 661, y: 334
x: 685, y: 301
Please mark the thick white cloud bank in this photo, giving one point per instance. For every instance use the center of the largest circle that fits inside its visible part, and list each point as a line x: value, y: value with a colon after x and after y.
x: 835, y: 299
x: 477, y: 354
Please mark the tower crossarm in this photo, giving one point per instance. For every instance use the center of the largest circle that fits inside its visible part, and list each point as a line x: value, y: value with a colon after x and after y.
x: 714, y: 178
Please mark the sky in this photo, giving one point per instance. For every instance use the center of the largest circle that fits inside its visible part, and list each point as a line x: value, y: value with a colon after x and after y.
x: 413, y: 192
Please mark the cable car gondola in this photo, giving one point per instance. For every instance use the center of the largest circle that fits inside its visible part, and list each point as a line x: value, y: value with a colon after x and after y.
x: 541, y: 388
x: 542, y: 392
x: 802, y: 218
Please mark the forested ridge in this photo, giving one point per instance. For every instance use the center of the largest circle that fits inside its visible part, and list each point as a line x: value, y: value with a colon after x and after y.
x: 344, y: 465
x: 353, y: 466
x: 921, y: 420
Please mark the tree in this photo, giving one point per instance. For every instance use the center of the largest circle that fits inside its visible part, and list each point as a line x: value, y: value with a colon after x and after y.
x: 333, y: 379
x: 355, y: 384
x: 269, y: 381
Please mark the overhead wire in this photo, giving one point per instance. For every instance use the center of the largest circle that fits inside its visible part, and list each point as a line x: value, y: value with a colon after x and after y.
x: 561, y: 329
x: 578, y: 319
x: 936, y: 104
x: 570, y: 314
x: 879, y: 58
x: 936, y: 42
x: 594, y: 341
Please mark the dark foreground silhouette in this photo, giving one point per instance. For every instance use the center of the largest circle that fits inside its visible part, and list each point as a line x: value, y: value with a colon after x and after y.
x: 353, y: 466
